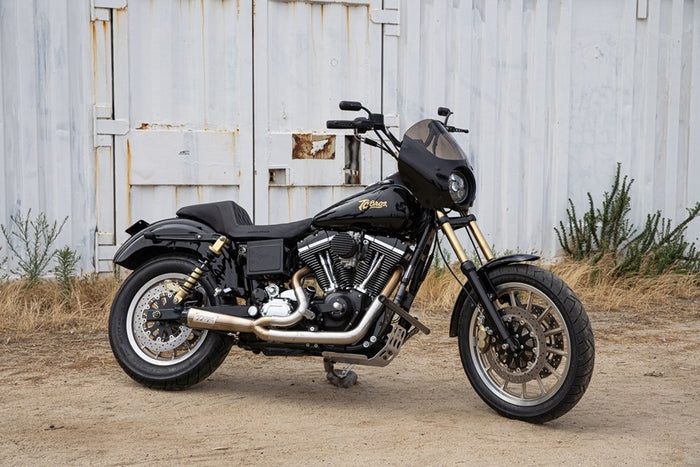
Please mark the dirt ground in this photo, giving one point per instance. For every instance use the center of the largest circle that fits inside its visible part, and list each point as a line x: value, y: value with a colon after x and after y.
x: 64, y: 400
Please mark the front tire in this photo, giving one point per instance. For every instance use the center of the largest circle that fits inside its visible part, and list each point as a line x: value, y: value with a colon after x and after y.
x: 548, y: 375
x: 163, y: 354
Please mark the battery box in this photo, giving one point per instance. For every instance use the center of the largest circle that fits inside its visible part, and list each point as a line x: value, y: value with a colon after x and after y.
x: 265, y: 258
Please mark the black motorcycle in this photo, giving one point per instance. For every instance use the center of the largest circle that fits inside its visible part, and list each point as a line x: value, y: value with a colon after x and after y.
x: 340, y: 285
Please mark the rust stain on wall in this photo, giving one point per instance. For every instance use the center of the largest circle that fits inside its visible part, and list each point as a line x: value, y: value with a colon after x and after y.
x: 308, y: 146
x: 94, y: 58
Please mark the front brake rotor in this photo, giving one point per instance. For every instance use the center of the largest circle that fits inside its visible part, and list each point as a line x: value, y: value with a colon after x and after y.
x: 525, y: 363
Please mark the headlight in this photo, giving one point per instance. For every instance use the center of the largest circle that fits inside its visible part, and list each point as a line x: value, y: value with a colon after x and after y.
x: 458, y: 187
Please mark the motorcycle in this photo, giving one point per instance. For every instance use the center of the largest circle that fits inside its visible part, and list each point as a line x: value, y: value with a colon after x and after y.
x: 341, y: 285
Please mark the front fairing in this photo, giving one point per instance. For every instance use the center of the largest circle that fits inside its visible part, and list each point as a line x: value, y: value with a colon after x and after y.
x: 428, y: 155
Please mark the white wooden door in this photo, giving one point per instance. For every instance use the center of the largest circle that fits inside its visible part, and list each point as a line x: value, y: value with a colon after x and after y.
x: 216, y: 100
x: 309, y: 55
x: 183, y: 85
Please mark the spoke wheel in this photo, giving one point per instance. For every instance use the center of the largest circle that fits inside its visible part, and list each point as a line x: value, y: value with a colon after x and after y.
x: 547, y: 375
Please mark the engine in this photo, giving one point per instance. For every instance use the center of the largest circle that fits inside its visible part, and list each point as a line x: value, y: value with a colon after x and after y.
x: 342, y: 261
x: 352, y: 269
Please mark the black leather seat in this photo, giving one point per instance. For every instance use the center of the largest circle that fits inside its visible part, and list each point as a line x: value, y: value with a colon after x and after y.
x: 231, y: 219
x: 288, y: 231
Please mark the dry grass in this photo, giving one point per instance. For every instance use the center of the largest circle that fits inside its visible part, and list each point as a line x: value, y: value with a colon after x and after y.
x: 439, y: 291
x: 596, y: 286
x: 45, y: 308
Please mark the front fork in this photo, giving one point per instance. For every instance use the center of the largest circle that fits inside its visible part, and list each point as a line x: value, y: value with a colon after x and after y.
x: 485, y: 297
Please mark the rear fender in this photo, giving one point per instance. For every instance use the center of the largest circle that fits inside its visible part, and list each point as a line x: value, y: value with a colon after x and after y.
x: 483, y: 271
x: 163, y: 237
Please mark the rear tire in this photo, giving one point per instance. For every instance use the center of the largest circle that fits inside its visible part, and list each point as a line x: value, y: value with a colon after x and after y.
x: 163, y: 355
x: 550, y: 373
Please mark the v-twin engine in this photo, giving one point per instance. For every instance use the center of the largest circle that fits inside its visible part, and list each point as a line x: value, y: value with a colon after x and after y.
x: 343, y: 261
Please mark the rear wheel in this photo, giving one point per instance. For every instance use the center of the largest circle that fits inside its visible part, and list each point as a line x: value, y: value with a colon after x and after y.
x: 163, y: 354
x: 549, y: 373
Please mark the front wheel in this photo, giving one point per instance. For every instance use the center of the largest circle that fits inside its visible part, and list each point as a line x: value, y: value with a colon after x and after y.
x: 548, y: 375
x: 163, y: 354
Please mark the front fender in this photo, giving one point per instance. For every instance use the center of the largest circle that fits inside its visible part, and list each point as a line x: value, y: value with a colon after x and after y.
x: 484, y: 271
x: 163, y: 237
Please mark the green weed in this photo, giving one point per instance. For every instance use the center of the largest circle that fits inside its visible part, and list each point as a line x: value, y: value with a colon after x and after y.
x: 31, y: 243
x: 607, y: 232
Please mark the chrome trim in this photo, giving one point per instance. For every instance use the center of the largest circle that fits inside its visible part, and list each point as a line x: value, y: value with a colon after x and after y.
x: 376, y: 263
x: 327, y: 266
x: 385, y: 245
x: 315, y: 244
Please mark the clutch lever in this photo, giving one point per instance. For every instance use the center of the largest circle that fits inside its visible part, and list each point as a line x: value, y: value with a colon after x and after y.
x: 454, y: 129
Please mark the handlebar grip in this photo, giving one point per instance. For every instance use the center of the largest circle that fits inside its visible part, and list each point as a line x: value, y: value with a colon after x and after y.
x: 340, y: 124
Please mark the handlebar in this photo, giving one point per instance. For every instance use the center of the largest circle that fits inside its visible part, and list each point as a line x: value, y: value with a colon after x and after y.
x: 373, y: 122
x: 340, y: 124
x: 361, y: 124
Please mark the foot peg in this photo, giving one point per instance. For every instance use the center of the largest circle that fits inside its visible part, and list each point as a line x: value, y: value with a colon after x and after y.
x: 342, y: 379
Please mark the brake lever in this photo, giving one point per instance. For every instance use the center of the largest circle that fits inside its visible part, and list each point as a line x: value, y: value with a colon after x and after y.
x: 453, y: 129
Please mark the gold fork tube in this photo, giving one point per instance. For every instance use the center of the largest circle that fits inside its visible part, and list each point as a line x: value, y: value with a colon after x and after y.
x: 480, y: 240
x: 452, y: 238
x: 457, y: 246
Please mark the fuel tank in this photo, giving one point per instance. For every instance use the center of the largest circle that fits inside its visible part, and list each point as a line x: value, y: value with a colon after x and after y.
x: 386, y: 207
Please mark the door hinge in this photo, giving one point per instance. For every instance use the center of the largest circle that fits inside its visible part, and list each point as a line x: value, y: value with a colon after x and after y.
x: 389, y: 17
x: 385, y: 16
x: 104, y: 126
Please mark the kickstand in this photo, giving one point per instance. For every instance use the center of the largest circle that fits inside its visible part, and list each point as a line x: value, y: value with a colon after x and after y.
x: 342, y: 379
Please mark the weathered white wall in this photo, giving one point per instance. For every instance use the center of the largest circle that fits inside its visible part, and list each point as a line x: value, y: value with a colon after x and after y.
x: 555, y: 93
x: 46, y: 99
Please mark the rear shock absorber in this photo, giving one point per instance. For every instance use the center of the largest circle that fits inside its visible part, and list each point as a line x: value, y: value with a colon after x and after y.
x: 191, y: 282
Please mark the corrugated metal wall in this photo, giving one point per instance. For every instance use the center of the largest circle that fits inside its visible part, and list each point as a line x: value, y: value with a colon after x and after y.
x: 46, y: 100
x: 555, y: 93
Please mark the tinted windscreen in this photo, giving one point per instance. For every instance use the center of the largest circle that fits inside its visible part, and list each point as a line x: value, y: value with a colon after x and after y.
x: 432, y: 136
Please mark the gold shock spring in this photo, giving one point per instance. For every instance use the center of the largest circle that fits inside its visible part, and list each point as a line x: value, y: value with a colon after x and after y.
x: 191, y: 282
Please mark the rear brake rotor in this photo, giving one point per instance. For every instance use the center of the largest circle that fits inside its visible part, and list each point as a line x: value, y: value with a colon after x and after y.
x: 158, y: 336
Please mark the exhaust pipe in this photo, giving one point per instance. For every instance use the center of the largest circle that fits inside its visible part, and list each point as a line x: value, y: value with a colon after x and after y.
x: 203, y: 319
x: 261, y: 327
